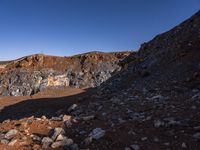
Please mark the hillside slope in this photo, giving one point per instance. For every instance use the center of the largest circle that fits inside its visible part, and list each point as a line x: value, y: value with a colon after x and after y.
x: 28, y: 75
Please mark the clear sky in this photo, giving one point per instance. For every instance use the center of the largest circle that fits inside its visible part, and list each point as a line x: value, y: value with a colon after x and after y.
x: 67, y: 27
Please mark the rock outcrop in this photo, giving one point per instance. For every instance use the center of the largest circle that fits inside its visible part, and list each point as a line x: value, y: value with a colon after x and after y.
x: 28, y: 75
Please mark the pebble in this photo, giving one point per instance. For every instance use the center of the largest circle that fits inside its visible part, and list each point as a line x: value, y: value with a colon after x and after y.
x: 4, y: 141
x: 196, y: 135
x: 97, y: 133
x: 36, y: 138
x: 46, y: 142
x: 183, y: 145
x: 9, y: 135
x: 65, y: 142
x: 53, y: 133
x: 135, y: 147
x: 72, y: 107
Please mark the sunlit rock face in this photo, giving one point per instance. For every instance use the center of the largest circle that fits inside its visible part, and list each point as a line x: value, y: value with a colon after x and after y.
x: 31, y: 74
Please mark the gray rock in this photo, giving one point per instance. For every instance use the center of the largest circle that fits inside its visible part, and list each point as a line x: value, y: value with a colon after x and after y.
x: 196, y: 135
x: 65, y: 142
x: 36, y: 138
x: 61, y: 137
x: 56, y: 118
x: 183, y: 145
x: 97, y: 133
x: 53, y: 133
x: 2, y: 136
x: 127, y: 148
x: 46, y: 142
x: 72, y: 107
x: 67, y: 123
x: 88, y: 140
x: 4, y: 141
x: 87, y: 118
x: 73, y: 147
x: 158, y: 123
x: 135, y: 147
x: 9, y: 135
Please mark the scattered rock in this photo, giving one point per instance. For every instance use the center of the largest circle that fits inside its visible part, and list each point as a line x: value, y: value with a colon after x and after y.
x: 4, y: 141
x: 66, y: 118
x: 87, y: 118
x: 54, y: 133
x: 158, y: 123
x: 97, y: 133
x: 72, y: 107
x: 65, y: 142
x: 196, y: 135
x: 36, y: 138
x: 46, y: 142
x: 135, y: 147
x: 9, y: 135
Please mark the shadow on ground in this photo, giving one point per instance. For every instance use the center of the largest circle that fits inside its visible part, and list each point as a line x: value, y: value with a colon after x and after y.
x: 42, y: 106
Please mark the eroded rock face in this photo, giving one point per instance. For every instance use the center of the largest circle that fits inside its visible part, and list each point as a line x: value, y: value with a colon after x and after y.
x: 29, y: 75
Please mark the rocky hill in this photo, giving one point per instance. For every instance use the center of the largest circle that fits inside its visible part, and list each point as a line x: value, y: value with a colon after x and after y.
x: 151, y: 103
x: 28, y: 75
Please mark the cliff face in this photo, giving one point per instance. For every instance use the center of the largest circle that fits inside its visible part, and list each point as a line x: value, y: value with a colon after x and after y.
x: 31, y: 74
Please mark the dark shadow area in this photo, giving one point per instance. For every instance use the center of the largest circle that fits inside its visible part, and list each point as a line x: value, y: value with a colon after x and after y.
x: 43, y: 106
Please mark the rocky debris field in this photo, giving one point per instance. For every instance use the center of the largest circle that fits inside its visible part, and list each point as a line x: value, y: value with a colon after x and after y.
x: 152, y: 103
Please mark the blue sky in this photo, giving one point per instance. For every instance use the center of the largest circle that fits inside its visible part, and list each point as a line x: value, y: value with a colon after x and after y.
x: 67, y: 27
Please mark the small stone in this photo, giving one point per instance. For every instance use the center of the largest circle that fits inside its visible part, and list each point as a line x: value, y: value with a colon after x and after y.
x: 68, y: 124
x: 53, y: 133
x: 87, y: 118
x: 88, y: 140
x: 166, y: 144
x: 72, y: 107
x: 4, y: 141
x: 196, y: 135
x: 66, y: 118
x: 156, y: 139
x: 135, y: 147
x: 183, y: 145
x: 61, y: 137
x: 65, y: 142
x: 197, y: 128
x: 73, y: 147
x: 56, y: 118
x: 9, y: 135
x: 36, y: 147
x: 46, y: 142
x: 44, y: 117
x: 158, y: 123
x: 12, y: 143
x: 36, y: 138
x: 97, y: 133
x: 2, y: 136
x: 144, y: 138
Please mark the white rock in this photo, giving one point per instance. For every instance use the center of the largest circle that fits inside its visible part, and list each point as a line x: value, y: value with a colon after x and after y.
x: 11, y: 133
x: 72, y: 107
